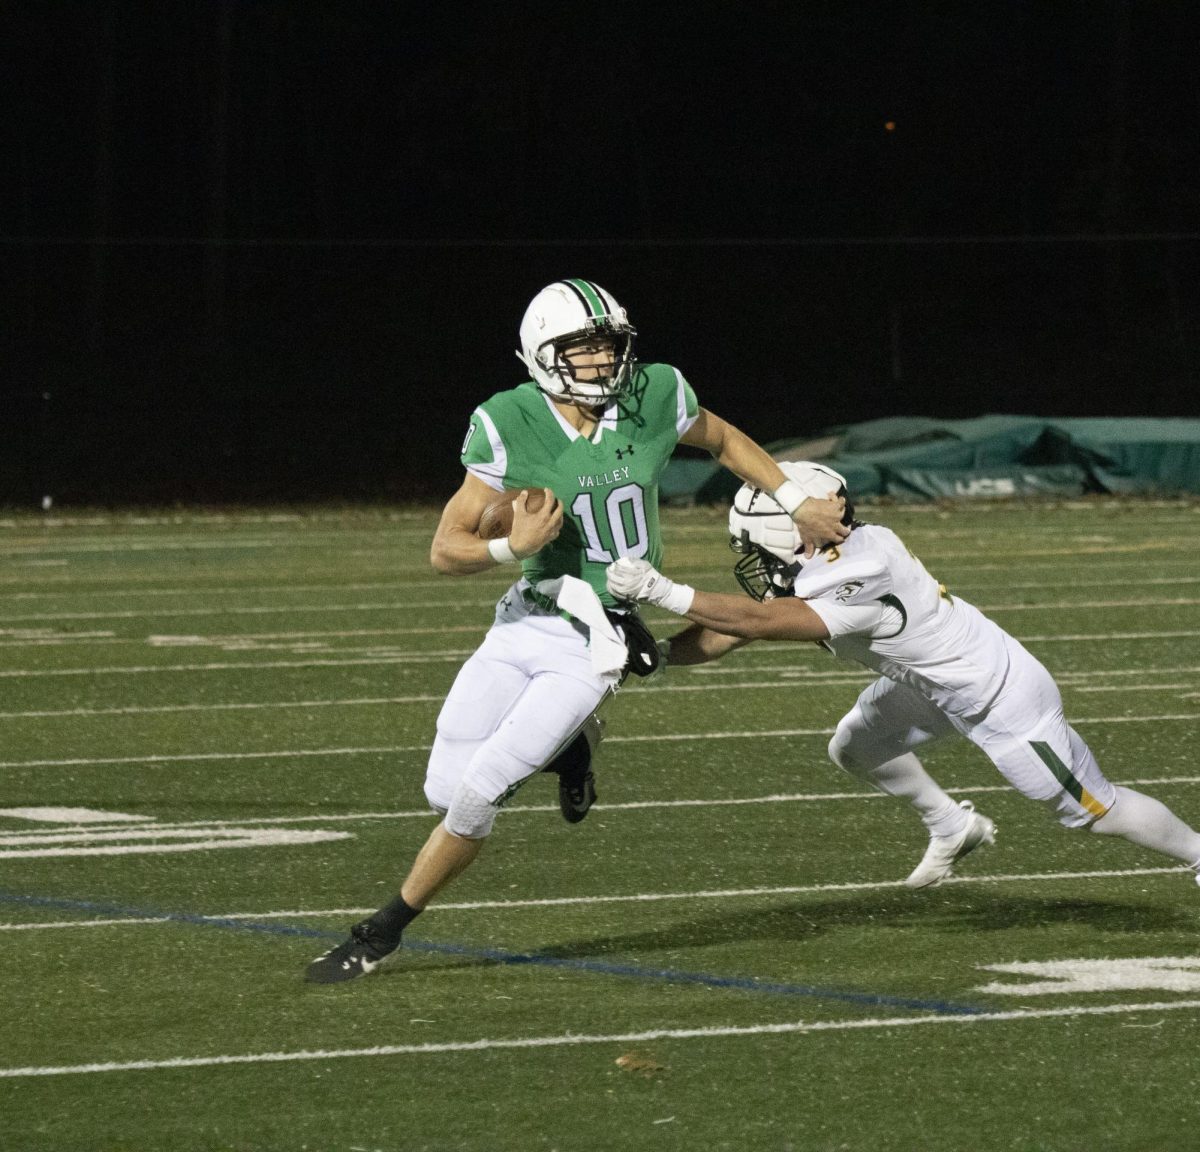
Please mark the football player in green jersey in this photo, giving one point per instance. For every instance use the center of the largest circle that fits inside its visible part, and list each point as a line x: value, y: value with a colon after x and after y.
x: 594, y: 429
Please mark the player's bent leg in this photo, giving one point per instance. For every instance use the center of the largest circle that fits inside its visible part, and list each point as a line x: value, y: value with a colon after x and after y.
x: 550, y: 712
x: 444, y: 855
x: 1049, y: 763
x: 573, y: 766
x: 873, y: 742
x: 485, y: 690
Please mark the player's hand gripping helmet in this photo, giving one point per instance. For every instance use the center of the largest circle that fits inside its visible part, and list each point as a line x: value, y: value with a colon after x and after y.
x: 575, y: 314
x: 765, y: 535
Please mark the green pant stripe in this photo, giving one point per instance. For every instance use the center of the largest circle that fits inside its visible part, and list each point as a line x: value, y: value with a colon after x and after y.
x: 1064, y: 776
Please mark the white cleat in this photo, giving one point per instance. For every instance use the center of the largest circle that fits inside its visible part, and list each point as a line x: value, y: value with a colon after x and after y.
x: 945, y: 851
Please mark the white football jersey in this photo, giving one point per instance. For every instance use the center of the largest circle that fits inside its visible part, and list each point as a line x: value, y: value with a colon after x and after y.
x: 885, y: 611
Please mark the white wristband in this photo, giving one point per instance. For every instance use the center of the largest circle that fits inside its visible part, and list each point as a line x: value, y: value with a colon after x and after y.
x: 501, y: 551
x: 678, y: 599
x: 789, y: 496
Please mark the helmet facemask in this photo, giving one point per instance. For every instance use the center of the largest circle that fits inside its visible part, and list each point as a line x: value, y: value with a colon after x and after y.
x: 592, y: 383
x: 761, y: 574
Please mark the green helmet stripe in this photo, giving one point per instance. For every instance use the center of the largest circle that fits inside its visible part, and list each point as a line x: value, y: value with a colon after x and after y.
x: 591, y: 297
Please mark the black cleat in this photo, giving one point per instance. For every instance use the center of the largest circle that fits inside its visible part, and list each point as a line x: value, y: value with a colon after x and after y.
x: 366, y: 949
x: 576, y: 794
x: 576, y: 782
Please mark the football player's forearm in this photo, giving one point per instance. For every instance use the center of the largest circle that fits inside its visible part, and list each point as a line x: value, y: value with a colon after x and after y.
x: 730, y: 615
x: 457, y: 552
x: 746, y: 460
x: 698, y: 645
x: 782, y: 619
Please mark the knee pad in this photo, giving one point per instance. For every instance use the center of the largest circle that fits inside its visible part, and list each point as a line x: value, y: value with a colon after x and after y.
x: 470, y: 815
x: 841, y: 752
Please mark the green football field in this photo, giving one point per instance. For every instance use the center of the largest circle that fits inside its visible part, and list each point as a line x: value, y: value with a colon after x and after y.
x: 213, y: 732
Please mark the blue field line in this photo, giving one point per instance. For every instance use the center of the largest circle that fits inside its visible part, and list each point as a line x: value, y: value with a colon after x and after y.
x: 500, y: 956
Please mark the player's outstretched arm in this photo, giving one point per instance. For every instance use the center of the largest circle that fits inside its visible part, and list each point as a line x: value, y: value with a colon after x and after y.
x: 784, y: 618
x: 819, y: 521
x: 457, y: 550
x: 698, y: 645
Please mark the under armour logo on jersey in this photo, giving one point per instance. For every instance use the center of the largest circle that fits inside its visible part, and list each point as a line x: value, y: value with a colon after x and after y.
x: 628, y: 451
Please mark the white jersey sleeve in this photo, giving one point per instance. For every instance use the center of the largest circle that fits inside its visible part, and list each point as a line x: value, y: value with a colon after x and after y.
x: 851, y: 590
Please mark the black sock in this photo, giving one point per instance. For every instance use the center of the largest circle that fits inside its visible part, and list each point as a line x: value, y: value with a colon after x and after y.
x: 393, y: 918
x: 575, y: 757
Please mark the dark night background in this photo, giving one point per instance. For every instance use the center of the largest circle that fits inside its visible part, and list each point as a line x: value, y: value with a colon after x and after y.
x: 280, y: 250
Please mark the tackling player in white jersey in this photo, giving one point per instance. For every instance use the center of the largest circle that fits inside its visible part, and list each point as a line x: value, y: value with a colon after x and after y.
x: 944, y: 669
x: 595, y: 429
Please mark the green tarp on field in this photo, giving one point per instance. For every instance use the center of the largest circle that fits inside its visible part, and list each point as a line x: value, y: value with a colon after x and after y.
x: 915, y: 458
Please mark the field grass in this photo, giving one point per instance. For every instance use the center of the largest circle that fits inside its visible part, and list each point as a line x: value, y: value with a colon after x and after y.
x: 213, y: 730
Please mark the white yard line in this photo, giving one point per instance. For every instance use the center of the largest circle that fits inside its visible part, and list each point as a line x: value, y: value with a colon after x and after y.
x: 526, y: 809
x: 335, y: 587
x: 155, y: 709
x: 399, y: 606
x: 669, y: 737
x: 569, y: 1039
x: 368, y: 701
x: 626, y: 898
x: 200, y: 544
x: 461, y: 604
x: 230, y: 642
x: 620, y: 806
x: 389, y: 656
x: 240, y: 665
x: 338, y: 588
x: 438, y: 697
x: 1070, y: 605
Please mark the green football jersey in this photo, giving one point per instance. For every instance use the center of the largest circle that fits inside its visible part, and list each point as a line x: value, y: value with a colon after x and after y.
x: 608, y: 484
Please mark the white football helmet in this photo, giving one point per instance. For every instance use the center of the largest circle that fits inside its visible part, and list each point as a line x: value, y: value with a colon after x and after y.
x: 564, y: 315
x: 766, y: 537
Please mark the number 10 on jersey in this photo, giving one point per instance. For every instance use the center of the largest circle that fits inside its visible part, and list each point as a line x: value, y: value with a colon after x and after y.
x: 626, y: 529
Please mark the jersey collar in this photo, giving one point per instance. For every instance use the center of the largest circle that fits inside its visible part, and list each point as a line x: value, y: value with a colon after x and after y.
x: 608, y: 420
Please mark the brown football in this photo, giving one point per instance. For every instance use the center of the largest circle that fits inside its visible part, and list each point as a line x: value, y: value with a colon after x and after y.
x: 497, y: 518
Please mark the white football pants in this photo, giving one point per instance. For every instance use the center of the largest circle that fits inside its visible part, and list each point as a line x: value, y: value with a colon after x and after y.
x: 1024, y: 733
x: 517, y: 701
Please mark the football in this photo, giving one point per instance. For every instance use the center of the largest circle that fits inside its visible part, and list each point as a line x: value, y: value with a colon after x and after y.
x: 497, y: 517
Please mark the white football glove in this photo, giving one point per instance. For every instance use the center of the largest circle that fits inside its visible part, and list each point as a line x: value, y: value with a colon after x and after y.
x: 639, y: 580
